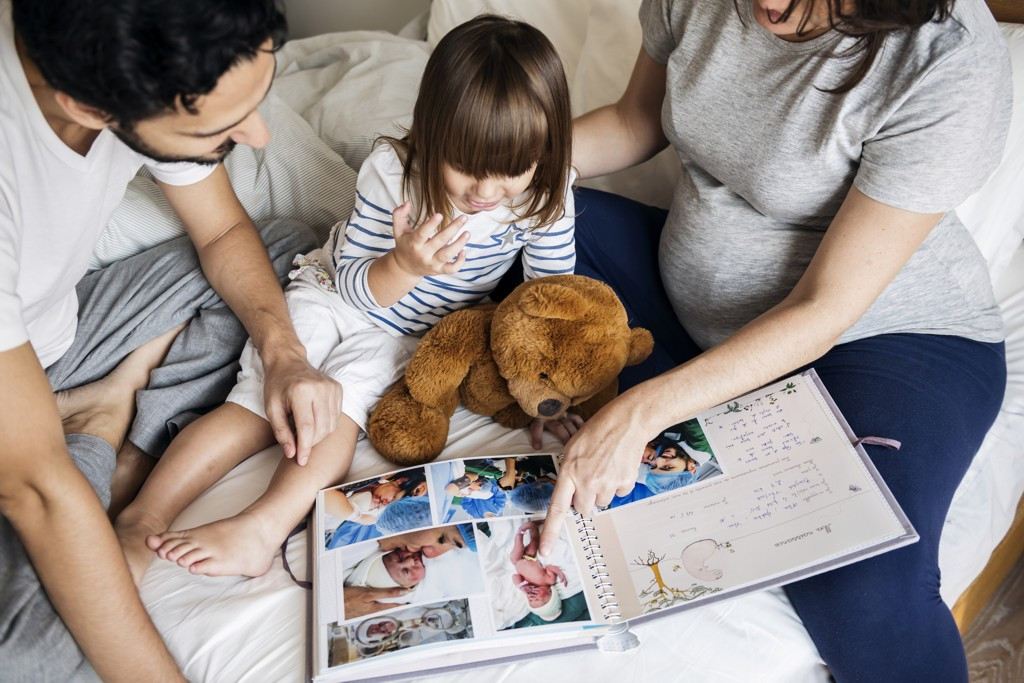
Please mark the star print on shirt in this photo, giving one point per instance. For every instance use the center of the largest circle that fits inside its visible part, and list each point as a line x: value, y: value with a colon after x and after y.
x: 509, y: 236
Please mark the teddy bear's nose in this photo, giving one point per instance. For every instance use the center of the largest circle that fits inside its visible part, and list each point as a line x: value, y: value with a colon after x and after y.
x: 549, y: 407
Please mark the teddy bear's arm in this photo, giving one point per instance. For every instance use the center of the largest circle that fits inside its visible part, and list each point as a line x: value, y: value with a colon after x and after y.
x: 446, y: 354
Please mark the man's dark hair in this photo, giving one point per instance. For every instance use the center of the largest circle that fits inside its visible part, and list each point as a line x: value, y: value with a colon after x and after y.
x: 134, y: 59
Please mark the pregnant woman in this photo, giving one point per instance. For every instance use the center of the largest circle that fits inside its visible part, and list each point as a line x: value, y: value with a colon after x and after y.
x: 824, y: 145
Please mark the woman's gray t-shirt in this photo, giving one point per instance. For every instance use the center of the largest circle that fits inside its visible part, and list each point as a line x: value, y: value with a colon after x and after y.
x: 768, y: 158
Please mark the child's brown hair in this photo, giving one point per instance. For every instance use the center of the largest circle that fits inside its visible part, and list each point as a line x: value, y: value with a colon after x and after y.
x: 493, y: 102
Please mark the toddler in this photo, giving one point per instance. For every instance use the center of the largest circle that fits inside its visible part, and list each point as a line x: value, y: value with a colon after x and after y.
x: 482, y: 175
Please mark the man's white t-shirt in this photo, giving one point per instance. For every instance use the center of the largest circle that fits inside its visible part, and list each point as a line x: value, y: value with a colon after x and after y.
x: 54, y: 204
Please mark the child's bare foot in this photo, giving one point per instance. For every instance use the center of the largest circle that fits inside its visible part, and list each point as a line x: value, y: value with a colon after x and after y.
x: 132, y: 529
x: 105, y: 408
x: 242, y: 545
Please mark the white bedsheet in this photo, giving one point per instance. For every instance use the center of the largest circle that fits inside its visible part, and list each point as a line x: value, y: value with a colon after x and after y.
x: 231, y: 629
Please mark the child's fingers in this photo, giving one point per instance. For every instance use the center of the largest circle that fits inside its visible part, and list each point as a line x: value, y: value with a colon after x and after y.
x: 536, y: 433
x: 446, y: 234
x: 400, y: 218
x: 428, y: 229
x: 454, y: 266
x: 448, y: 252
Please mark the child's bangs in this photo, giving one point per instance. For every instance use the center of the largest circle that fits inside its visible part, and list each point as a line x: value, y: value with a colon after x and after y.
x: 501, y: 139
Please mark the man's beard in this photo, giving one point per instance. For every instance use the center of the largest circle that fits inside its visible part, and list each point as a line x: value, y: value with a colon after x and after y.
x: 136, y: 144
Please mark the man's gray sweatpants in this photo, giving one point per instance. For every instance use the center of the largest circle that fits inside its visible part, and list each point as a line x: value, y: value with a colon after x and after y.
x: 122, y: 307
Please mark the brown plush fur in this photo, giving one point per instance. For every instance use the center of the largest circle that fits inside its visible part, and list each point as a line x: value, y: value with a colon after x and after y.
x: 556, y: 343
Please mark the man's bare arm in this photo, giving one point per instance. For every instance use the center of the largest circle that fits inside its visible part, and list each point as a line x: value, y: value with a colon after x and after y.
x: 235, y: 262
x: 66, y: 533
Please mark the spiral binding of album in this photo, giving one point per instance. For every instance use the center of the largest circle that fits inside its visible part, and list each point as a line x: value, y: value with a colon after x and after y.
x: 594, y: 555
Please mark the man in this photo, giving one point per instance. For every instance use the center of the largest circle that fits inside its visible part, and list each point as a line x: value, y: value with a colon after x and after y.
x: 90, y: 90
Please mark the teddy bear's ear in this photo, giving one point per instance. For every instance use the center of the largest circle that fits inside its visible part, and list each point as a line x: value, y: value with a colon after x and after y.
x: 546, y: 300
x: 641, y: 343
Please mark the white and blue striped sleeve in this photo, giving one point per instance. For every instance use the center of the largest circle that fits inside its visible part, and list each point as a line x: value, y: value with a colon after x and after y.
x: 369, y: 233
x: 552, y: 250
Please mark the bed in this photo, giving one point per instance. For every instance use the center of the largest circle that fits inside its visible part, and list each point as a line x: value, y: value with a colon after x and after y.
x: 333, y: 94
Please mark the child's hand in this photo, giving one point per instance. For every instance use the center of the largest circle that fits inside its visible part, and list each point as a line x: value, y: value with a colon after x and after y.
x: 563, y: 428
x: 425, y: 249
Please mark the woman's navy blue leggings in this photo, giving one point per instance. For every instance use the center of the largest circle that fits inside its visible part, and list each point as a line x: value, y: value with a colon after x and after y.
x: 880, y: 619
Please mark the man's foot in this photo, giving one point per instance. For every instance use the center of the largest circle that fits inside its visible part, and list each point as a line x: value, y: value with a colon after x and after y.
x: 237, y: 546
x: 132, y: 529
x: 105, y: 408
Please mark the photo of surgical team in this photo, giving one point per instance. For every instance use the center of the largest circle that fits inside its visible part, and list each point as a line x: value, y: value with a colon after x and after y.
x: 678, y: 457
x: 482, y: 488
x: 524, y: 588
x: 412, y: 568
x: 379, y: 635
x: 376, y: 507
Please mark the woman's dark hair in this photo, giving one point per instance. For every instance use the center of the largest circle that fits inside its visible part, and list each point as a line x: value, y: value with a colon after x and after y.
x: 414, y: 481
x: 493, y: 102
x: 870, y: 21
x: 134, y: 59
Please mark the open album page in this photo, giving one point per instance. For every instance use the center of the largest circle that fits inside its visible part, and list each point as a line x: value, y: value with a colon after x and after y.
x: 759, y: 491
x: 410, y: 561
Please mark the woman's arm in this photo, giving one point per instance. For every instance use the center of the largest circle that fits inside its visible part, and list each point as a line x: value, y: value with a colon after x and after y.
x: 627, y: 132
x: 336, y: 504
x: 862, y: 251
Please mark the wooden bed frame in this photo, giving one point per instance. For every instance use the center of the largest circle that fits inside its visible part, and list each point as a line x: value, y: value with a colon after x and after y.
x: 1011, y: 11
x: 1011, y: 548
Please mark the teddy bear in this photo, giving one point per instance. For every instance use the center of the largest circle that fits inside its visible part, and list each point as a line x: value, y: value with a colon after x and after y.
x: 555, y: 343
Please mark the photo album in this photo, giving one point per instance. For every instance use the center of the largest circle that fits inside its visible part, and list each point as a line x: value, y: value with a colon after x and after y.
x: 438, y: 565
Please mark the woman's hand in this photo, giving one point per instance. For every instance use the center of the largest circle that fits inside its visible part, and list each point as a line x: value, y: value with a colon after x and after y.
x: 428, y: 249
x: 600, y: 462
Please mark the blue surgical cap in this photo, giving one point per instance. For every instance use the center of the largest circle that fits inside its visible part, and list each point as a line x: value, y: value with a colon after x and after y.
x: 405, y: 514
x: 468, y: 535
x: 532, y: 497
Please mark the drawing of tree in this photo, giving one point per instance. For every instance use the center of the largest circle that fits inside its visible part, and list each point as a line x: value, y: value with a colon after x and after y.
x: 652, y: 562
x: 658, y: 595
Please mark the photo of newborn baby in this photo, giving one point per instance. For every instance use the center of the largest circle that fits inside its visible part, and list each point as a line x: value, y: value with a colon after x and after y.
x: 525, y: 588
x: 417, y: 567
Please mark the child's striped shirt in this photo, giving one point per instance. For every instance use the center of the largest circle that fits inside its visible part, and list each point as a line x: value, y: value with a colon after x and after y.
x: 496, y: 238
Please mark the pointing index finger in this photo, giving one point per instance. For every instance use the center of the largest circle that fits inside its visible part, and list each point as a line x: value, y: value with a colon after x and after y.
x: 561, y: 501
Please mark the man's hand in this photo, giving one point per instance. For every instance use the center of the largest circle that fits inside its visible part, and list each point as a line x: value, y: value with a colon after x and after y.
x: 302, y: 404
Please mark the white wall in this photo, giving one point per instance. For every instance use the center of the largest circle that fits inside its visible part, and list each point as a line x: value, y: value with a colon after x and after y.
x: 310, y: 17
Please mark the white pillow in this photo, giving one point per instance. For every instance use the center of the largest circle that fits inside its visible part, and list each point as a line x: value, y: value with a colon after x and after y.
x: 995, y: 214
x: 352, y: 86
x: 562, y: 21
